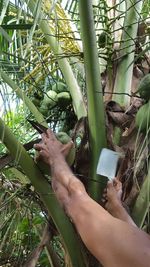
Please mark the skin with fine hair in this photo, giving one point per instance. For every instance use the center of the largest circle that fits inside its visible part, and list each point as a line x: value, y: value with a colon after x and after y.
x: 112, y: 199
x: 112, y: 239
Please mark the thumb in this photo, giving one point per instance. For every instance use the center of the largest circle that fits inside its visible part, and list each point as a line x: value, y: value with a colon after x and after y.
x: 66, y: 148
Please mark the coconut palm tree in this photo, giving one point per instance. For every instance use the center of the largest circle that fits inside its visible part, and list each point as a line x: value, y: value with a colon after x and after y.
x: 76, y: 69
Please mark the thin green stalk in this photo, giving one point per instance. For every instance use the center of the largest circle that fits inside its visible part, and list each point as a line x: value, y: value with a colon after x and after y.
x: 38, y: 116
x: 19, y: 175
x: 17, y: 26
x: 42, y: 186
x: 8, y: 230
x: 51, y: 254
x: 3, y: 12
x: 142, y: 203
x: 78, y: 102
x: 124, y: 74
x: 96, y: 116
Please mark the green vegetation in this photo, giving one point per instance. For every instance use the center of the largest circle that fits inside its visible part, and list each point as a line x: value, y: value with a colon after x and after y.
x: 59, y: 87
x: 143, y: 117
x: 144, y: 87
x: 83, y: 71
x: 50, y: 99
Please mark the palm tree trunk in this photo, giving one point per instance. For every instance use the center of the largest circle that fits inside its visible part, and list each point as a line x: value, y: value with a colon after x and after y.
x: 124, y: 74
x: 142, y: 204
x: 96, y: 115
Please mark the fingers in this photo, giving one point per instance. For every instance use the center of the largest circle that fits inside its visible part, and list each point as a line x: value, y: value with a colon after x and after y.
x: 104, y: 200
x: 49, y: 139
x: 66, y: 148
x: 104, y: 196
x: 50, y: 134
x: 39, y: 147
x: 110, y: 184
x: 50, y: 146
x: 117, y: 184
x: 114, y: 184
x: 44, y: 138
x: 107, y: 192
x: 37, y: 158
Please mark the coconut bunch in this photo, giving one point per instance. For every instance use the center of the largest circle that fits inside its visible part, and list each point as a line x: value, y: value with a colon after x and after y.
x: 58, y: 96
x: 143, y: 115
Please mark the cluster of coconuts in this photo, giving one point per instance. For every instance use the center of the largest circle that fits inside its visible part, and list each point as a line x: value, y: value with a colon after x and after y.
x: 142, y: 119
x: 58, y: 95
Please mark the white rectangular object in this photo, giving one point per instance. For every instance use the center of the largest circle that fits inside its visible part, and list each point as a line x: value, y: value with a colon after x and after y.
x: 107, y: 164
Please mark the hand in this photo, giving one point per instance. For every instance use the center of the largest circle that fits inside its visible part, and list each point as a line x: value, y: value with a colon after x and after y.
x: 114, y: 191
x: 50, y: 149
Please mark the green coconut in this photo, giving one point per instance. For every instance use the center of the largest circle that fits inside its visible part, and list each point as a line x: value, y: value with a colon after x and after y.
x: 50, y: 99
x: 64, y: 99
x: 59, y: 87
x: 142, y: 120
x: 144, y: 87
x: 102, y: 39
x: 44, y: 109
x: 71, y: 156
x: 36, y: 101
x: 64, y: 138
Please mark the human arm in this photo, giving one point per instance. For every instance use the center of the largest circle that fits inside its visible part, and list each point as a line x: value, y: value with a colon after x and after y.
x: 113, y: 242
x: 114, y: 204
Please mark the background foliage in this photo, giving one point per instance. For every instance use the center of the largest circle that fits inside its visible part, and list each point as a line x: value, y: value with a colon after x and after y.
x: 43, y: 78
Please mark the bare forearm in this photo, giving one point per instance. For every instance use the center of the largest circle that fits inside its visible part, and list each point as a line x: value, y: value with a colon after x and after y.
x: 63, y: 174
x: 61, y: 171
x: 120, y: 213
